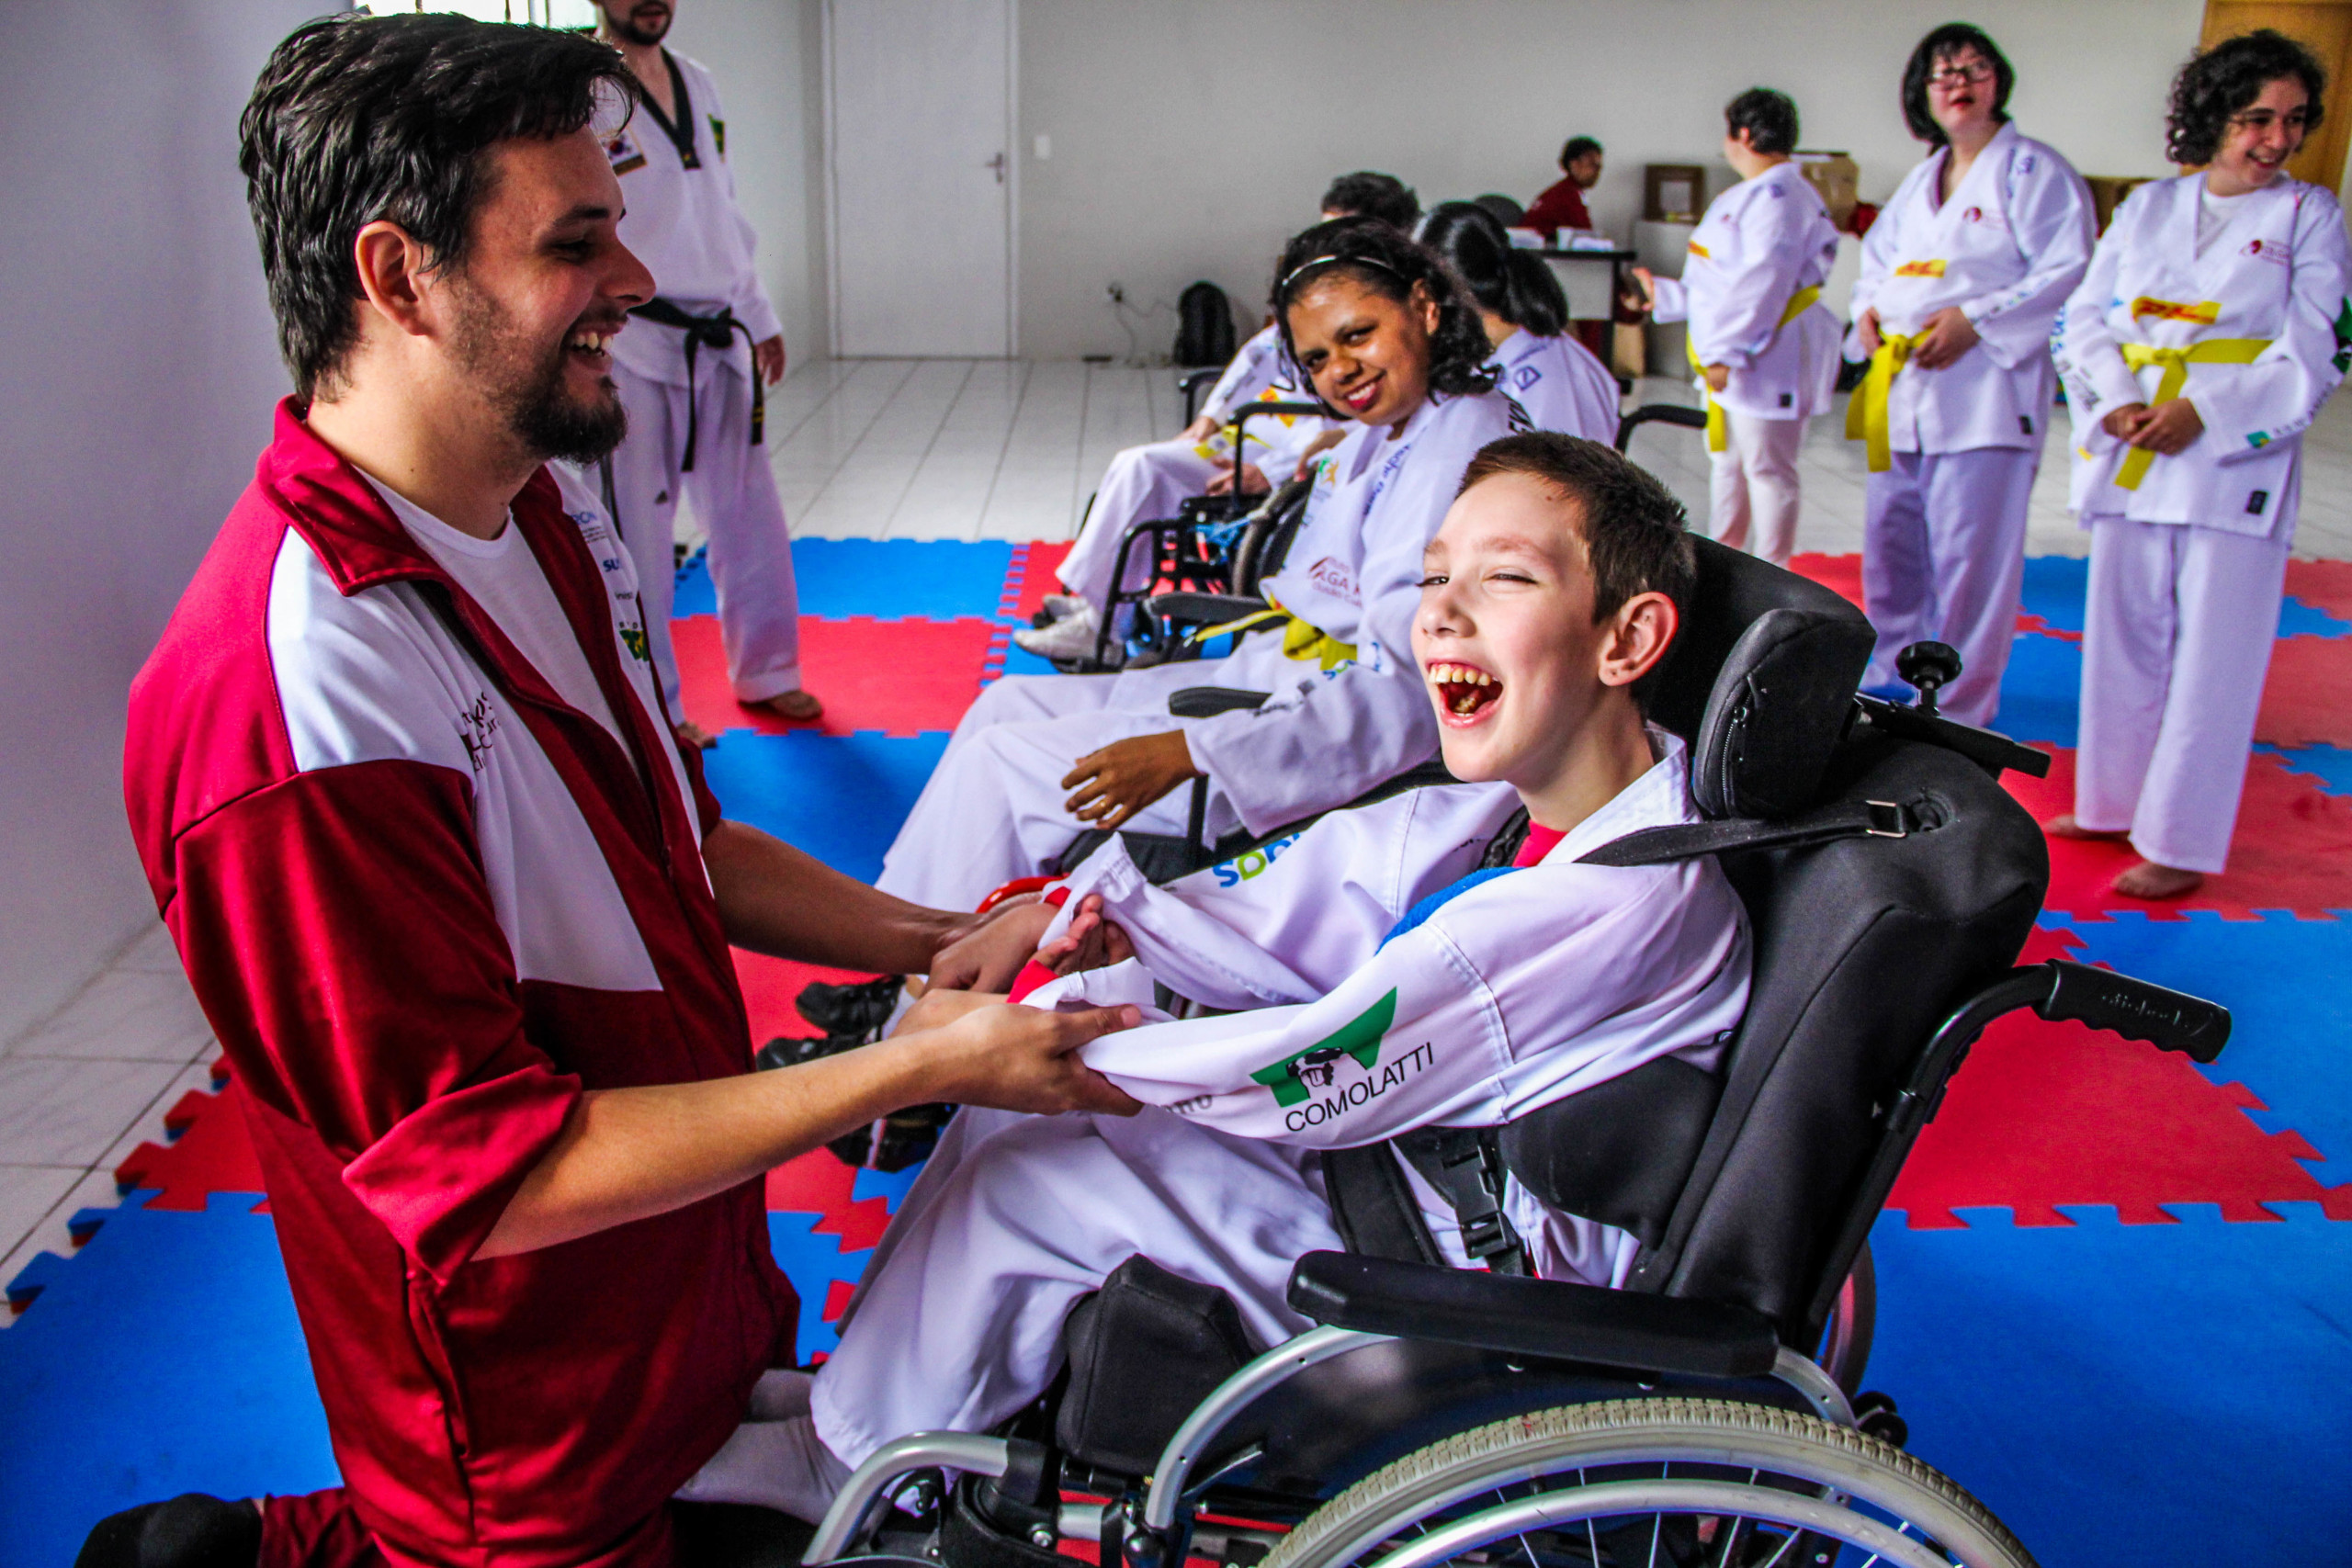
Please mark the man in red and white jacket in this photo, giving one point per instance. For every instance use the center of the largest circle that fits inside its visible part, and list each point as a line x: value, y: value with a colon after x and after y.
x: 456, y: 902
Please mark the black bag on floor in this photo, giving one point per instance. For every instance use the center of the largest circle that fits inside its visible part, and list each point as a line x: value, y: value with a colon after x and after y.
x: 1203, y: 326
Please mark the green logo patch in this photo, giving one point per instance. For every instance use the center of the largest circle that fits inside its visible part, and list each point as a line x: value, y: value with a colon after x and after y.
x: 1359, y: 1037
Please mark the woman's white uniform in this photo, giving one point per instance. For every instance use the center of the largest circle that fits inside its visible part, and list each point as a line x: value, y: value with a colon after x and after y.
x: 684, y: 223
x: 1953, y: 452
x: 1759, y: 247
x: 1145, y: 483
x: 993, y: 810
x: 2240, y: 306
x: 1527, y: 987
x: 1560, y: 385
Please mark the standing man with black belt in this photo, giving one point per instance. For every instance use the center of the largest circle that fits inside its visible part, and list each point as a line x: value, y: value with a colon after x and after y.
x: 692, y: 390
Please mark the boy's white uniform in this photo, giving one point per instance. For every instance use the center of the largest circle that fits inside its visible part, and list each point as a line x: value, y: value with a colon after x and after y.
x: 993, y: 810
x: 1953, y: 451
x: 2239, y: 305
x: 1560, y: 385
x: 1761, y: 245
x: 1145, y: 483
x: 684, y: 225
x: 1526, y: 987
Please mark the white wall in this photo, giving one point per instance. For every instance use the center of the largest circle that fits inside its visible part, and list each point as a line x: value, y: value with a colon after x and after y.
x: 137, y: 376
x: 1190, y: 137
x: 765, y: 55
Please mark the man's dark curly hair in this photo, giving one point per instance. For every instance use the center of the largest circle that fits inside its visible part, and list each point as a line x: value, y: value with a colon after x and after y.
x: 1770, y: 117
x: 356, y: 119
x: 1951, y: 39
x: 2225, y: 79
x: 1369, y: 194
x: 1389, y: 262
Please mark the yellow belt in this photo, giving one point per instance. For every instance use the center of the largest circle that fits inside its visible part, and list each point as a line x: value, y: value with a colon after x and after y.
x: 1718, y: 435
x: 2176, y: 361
x: 1301, y: 640
x: 1866, y: 412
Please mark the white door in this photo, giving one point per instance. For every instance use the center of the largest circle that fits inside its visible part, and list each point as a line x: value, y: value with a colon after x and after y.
x: 921, y: 170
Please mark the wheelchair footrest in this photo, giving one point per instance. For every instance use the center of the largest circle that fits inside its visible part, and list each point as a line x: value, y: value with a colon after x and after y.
x: 1551, y: 1318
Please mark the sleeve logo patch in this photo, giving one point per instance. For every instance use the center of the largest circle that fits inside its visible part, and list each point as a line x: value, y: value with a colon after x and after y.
x: 1241, y: 868
x: 1314, y: 1067
x: 717, y: 134
x: 2257, y: 502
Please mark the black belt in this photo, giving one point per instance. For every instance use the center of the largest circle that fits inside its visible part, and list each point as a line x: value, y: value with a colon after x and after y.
x: 707, y: 332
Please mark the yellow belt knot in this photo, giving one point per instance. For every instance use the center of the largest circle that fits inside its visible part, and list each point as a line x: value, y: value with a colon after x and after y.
x: 1718, y: 433
x: 2176, y: 361
x: 1866, y: 412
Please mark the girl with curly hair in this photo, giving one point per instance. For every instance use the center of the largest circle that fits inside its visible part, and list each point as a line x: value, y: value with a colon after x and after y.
x: 1962, y: 276
x: 1380, y: 336
x: 1763, y: 344
x: 2212, y: 326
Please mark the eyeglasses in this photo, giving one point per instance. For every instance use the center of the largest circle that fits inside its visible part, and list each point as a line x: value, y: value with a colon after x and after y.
x: 1974, y: 73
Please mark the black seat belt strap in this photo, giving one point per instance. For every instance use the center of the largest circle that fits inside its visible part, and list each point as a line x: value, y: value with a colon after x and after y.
x: 1465, y: 1165
x: 1373, y: 1206
x: 1845, y: 819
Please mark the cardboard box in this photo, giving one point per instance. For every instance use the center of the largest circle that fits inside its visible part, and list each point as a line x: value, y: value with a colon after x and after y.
x: 2108, y: 192
x: 1673, y: 193
x: 1834, y: 177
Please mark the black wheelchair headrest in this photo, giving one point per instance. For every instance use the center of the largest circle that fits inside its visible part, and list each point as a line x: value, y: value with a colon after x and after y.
x: 1760, y: 684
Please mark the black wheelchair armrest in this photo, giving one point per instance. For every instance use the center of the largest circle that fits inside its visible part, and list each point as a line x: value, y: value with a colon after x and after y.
x: 1520, y: 1317
x: 2168, y: 1019
x: 1203, y: 609
x: 1207, y: 701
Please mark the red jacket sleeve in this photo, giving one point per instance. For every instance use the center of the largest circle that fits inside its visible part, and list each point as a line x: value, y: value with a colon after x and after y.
x: 340, y: 932
x: 1560, y: 207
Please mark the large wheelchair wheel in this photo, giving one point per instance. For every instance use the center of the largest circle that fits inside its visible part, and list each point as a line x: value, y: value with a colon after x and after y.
x: 1654, y: 1484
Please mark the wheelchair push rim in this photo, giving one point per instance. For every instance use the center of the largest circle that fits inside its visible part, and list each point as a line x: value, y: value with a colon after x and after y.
x: 1658, y: 1483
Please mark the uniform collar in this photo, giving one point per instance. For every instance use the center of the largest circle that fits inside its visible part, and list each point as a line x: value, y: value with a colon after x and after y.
x: 1659, y: 798
x: 347, y: 523
x: 1995, y: 154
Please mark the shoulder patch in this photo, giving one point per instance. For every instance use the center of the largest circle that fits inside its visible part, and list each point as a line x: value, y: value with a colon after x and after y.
x: 625, y: 153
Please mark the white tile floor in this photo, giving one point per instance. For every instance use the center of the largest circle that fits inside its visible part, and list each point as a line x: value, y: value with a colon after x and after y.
x: 937, y: 449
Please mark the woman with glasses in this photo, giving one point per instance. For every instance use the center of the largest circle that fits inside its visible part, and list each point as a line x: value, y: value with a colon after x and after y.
x: 2212, y: 326
x: 1962, y: 276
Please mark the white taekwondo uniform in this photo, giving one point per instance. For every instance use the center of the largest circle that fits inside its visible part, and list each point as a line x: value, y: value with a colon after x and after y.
x: 2188, y: 553
x: 684, y: 223
x: 1145, y: 483
x: 1526, y: 987
x: 1348, y: 710
x: 1751, y: 293
x: 1953, y: 452
x: 1560, y: 385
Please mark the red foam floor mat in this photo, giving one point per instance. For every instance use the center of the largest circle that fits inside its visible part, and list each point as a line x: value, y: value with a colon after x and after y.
x: 901, y: 678
x: 1033, y: 577
x: 2292, y: 850
x: 2325, y: 584
x: 2044, y: 1114
x: 1842, y: 574
x: 2307, y: 699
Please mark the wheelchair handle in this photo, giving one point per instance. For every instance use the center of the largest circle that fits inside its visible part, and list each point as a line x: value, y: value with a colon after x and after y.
x: 2168, y: 1019
x: 1247, y: 411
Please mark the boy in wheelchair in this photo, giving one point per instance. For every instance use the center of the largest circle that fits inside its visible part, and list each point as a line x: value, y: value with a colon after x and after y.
x: 1556, y: 584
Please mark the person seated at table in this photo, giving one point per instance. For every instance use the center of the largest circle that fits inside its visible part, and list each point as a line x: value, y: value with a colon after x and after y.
x: 1562, y: 204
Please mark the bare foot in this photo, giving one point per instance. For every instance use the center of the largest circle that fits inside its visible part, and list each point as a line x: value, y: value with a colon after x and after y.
x: 695, y: 736
x: 2066, y: 827
x: 2149, y: 880
x: 798, y: 706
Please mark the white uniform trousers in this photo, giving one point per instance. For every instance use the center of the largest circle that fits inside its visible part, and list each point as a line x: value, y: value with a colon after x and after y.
x: 2174, y: 650
x: 1943, y: 552
x: 1754, y: 486
x: 993, y: 809
x: 1142, y: 484
x: 735, y: 501
x: 959, y: 1323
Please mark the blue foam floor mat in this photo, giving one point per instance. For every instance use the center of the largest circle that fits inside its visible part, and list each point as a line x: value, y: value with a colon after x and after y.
x: 2330, y: 765
x: 2041, y: 691
x: 2129, y: 1394
x: 842, y: 798
x: 2291, y: 1011
x: 887, y: 579
x: 163, y: 1357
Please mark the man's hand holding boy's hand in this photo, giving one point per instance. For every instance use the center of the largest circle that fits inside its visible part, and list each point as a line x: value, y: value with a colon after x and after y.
x: 1089, y: 941
x: 987, y: 956
x: 1016, y: 1058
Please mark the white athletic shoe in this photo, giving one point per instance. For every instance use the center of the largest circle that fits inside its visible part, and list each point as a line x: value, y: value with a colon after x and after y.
x: 1062, y: 606
x: 1072, y: 637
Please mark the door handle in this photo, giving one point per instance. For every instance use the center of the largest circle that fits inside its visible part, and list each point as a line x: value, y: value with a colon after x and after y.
x: 997, y: 164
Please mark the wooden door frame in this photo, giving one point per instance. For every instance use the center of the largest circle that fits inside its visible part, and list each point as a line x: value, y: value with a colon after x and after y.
x: 1012, y: 161
x: 2335, y: 126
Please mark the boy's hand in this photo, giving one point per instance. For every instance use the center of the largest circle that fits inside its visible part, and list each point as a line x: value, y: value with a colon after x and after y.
x: 2168, y: 427
x: 1089, y: 941
x: 1025, y: 1059
x: 1123, y: 777
x: 987, y: 958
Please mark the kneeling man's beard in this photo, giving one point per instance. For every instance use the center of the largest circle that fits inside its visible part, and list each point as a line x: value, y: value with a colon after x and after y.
x: 526, y: 386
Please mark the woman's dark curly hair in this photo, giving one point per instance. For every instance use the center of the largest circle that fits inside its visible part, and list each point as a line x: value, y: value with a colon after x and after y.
x: 1946, y: 42
x: 1509, y: 282
x: 1389, y: 264
x: 2225, y: 80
